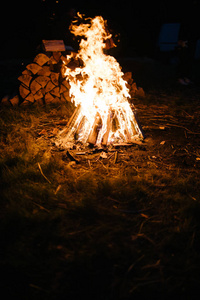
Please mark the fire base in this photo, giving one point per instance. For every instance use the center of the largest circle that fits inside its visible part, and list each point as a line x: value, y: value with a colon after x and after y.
x: 80, y: 131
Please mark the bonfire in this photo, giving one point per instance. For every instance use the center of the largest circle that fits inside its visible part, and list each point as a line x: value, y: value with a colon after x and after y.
x: 103, y: 114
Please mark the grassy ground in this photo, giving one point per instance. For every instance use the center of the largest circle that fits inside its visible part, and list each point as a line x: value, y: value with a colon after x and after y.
x: 122, y: 226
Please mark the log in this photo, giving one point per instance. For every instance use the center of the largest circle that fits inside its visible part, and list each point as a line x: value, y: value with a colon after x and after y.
x: 25, y: 79
x: 138, y: 126
x: 71, y: 123
x: 34, y: 68
x: 130, y: 81
x: 53, y: 61
x: 54, y: 78
x: 140, y: 92
x: 80, y: 127
x: 38, y: 95
x: 34, y: 87
x: 57, y: 55
x: 133, y: 89
x: 27, y: 72
x: 57, y: 100
x: 56, y: 92
x: 128, y: 86
x: 44, y: 71
x: 15, y: 100
x: 83, y: 130
x: 64, y: 59
x: 124, y: 144
x: 66, y: 83
x: 133, y: 128
x: 63, y: 88
x: 127, y: 76
x: 30, y: 98
x: 50, y: 86
x: 67, y: 96
x: 62, y: 98
x: 126, y: 130
x: 95, y: 130
x: 53, y: 45
x: 41, y: 59
x: 23, y: 91
x: 48, y: 98
x: 42, y: 80
x: 115, y: 123
x: 26, y: 103
x: 109, y: 127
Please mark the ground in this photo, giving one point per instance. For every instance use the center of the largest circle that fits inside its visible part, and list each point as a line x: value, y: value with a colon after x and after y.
x: 118, y: 223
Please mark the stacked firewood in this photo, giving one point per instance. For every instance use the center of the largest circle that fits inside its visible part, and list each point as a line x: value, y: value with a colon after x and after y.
x: 132, y: 86
x: 43, y: 81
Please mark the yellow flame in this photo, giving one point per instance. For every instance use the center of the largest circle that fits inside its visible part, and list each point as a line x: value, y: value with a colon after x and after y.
x: 98, y: 86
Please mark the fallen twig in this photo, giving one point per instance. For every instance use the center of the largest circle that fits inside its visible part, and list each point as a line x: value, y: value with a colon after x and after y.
x: 57, y: 190
x: 71, y: 156
x: 142, y: 235
x: 43, y: 173
x: 133, y: 211
x: 116, y: 157
x: 190, y: 131
x: 89, y: 163
x: 41, y: 207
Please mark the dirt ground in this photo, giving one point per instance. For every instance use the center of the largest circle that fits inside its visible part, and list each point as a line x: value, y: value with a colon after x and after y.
x: 113, y: 223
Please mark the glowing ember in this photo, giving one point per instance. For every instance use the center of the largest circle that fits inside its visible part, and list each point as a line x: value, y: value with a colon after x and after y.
x: 97, y: 88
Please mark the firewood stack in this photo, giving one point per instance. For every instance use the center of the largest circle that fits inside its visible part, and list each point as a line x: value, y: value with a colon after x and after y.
x: 42, y: 81
x: 132, y: 86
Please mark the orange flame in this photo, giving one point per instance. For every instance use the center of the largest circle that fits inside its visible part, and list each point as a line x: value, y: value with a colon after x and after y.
x: 98, y: 87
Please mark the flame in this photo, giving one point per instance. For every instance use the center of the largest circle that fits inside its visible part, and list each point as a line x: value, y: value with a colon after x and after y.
x: 98, y: 88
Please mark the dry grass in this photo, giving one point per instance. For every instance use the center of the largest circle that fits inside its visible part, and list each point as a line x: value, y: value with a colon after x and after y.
x: 105, y: 228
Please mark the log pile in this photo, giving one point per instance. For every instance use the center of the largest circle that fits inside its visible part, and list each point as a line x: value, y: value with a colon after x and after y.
x: 132, y: 86
x: 43, y: 82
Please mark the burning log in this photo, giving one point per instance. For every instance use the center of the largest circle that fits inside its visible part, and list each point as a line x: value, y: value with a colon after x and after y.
x: 68, y: 133
x: 109, y: 126
x: 97, y: 88
x: 95, y: 130
x: 80, y: 129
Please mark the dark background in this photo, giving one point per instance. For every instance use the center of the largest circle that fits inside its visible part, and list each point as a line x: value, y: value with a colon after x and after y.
x: 137, y: 23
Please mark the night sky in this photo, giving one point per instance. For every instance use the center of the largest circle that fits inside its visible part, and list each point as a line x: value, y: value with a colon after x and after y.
x: 24, y: 25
